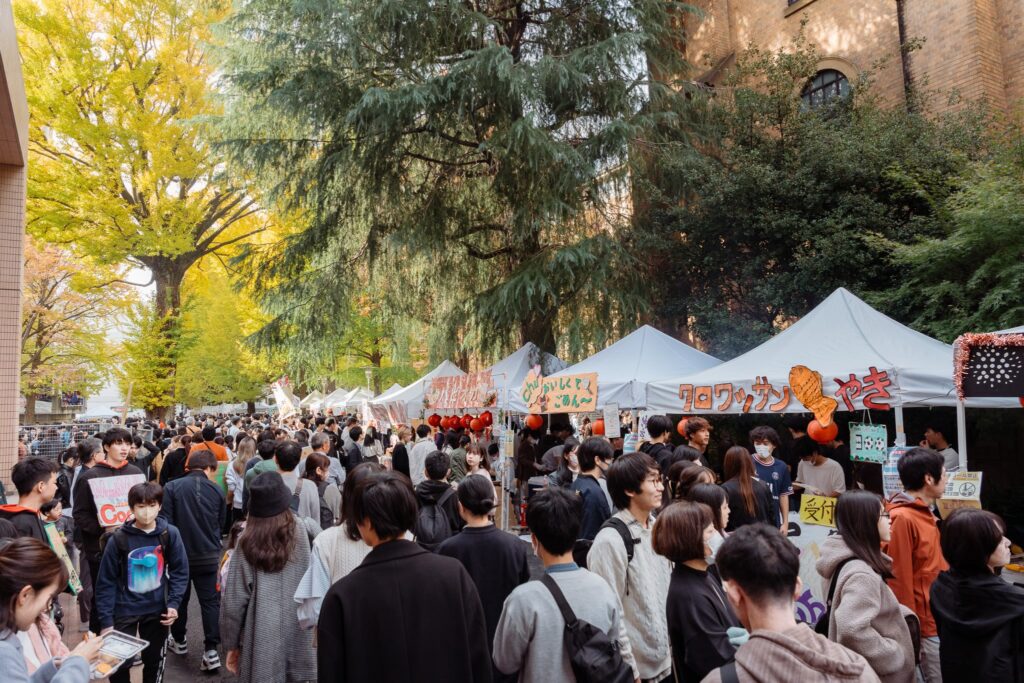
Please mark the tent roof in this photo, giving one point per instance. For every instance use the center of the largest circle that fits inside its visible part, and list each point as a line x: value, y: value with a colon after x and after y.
x: 511, y: 371
x: 842, y: 335
x: 335, y: 398
x: 313, y: 397
x: 625, y: 368
x: 1012, y: 330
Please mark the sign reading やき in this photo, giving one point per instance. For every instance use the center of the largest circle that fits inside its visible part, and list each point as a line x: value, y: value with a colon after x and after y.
x: 111, y: 496
x: 564, y: 394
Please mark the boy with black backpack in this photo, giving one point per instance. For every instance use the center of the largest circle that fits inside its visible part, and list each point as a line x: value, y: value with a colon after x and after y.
x: 438, y: 517
x: 141, y: 581
x: 569, y: 626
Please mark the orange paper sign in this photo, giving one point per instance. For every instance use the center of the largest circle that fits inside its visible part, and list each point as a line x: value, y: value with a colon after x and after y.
x: 563, y: 394
x: 807, y: 387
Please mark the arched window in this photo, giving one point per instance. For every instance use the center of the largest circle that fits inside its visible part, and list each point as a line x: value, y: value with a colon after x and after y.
x: 826, y: 85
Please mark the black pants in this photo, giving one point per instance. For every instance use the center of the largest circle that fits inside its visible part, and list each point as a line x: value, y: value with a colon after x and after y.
x: 204, y: 578
x: 85, y: 596
x: 93, y: 560
x: 148, y: 628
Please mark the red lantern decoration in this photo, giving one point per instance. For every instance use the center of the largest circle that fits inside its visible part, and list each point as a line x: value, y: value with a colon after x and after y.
x: 434, y: 420
x: 534, y: 421
x: 681, y: 427
x: 446, y: 423
x: 487, y: 418
x: 466, y: 420
x: 1021, y: 399
x: 476, y: 425
x: 822, y: 434
x: 598, y: 429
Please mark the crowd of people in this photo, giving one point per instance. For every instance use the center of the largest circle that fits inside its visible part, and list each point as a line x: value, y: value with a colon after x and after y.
x: 320, y: 548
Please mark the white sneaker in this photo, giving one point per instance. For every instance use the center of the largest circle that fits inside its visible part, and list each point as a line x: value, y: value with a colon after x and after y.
x: 176, y: 647
x: 211, y: 661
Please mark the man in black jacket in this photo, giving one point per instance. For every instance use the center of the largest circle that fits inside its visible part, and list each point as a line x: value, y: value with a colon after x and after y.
x: 196, y: 505
x: 117, y: 443
x: 354, y: 451
x: 376, y: 622
x: 659, y: 446
x: 35, y: 479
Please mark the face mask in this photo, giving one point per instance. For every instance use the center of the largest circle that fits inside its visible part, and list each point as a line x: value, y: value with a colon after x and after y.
x: 574, y: 462
x: 763, y: 450
x: 146, y: 515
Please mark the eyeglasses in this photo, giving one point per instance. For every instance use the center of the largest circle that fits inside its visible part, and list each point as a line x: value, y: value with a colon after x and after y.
x: 885, y: 515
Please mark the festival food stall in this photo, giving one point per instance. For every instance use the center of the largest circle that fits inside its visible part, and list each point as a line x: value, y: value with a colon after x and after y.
x: 335, y: 399
x: 313, y: 401
x: 405, y: 405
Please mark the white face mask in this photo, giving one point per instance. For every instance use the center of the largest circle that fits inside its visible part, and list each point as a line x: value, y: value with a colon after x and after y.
x: 146, y: 514
x: 763, y: 450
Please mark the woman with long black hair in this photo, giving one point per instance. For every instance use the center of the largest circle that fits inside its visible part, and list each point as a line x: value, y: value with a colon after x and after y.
x: 865, y: 615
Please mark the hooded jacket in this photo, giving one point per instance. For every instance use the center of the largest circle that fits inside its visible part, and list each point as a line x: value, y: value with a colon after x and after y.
x: 798, y: 654
x: 916, y: 556
x: 146, y: 582
x: 196, y: 506
x: 866, y: 617
x: 25, y: 520
x: 981, y: 627
x: 428, y: 492
x: 87, y: 522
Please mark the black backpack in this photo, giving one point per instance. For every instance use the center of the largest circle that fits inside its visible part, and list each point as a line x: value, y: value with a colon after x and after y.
x: 432, y: 523
x: 326, y: 513
x: 594, y: 657
x: 581, y: 548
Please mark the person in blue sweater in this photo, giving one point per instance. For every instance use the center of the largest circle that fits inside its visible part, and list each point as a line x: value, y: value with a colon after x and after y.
x: 142, y: 579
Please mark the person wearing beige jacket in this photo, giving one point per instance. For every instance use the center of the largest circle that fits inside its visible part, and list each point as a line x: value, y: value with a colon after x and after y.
x: 865, y: 615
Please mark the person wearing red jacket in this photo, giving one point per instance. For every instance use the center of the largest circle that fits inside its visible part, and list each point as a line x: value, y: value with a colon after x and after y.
x: 915, y: 548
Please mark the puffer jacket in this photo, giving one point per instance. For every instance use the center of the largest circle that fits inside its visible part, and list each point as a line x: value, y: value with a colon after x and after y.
x: 866, y: 617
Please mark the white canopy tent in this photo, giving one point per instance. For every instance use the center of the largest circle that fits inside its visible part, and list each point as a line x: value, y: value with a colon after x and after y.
x: 354, y: 399
x: 313, y: 401
x: 334, y: 399
x: 407, y: 403
x: 1012, y: 330
x: 377, y: 409
x: 626, y: 368
x: 865, y: 358
x: 510, y: 372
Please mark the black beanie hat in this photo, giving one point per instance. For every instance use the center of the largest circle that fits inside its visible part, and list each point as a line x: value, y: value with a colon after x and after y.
x: 268, y: 496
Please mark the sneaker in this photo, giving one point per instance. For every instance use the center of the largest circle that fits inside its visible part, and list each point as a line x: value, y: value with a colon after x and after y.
x: 211, y: 661
x: 176, y: 647
x: 137, y: 660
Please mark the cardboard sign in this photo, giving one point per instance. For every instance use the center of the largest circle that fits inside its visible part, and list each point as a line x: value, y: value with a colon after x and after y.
x: 868, y: 442
x: 57, y: 544
x: 818, y: 510
x: 612, y: 426
x: 890, y: 473
x: 111, y: 496
x: 564, y: 394
x: 963, y: 490
x: 475, y: 390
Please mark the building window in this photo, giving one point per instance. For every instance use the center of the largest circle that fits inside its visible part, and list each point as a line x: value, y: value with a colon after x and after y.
x: 826, y: 85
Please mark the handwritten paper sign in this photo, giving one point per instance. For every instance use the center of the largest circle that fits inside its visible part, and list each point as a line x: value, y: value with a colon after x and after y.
x: 818, y: 510
x: 57, y: 544
x: 890, y: 472
x: 868, y: 442
x: 562, y: 394
x: 963, y: 490
x: 475, y: 390
x: 612, y: 426
x: 111, y: 496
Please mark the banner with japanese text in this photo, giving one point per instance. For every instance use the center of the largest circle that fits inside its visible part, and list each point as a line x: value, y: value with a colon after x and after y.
x: 475, y: 390
x: 560, y: 394
x: 867, y: 389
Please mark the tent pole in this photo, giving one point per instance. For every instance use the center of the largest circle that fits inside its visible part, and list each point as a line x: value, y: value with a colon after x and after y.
x: 901, y: 434
x: 961, y: 433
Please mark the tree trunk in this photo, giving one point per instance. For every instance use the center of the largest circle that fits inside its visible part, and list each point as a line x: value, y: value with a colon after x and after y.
x: 250, y: 407
x: 539, y: 329
x: 168, y: 273
x: 30, y: 408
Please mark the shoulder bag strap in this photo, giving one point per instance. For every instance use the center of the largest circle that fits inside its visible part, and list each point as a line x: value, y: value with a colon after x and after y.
x: 728, y: 673
x: 835, y: 581
x: 563, y: 604
x: 625, y: 533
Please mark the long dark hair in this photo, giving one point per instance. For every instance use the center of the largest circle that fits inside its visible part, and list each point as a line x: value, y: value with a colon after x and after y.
x: 740, y: 467
x: 714, y: 497
x: 268, y: 542
x: 26, y: 562
x: 857, y: 514
x: 348, y: 494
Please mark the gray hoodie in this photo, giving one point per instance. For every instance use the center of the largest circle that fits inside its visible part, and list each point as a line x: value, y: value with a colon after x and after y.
x: 866, y: 617
x: 12, y: 663
x: 798, y: 654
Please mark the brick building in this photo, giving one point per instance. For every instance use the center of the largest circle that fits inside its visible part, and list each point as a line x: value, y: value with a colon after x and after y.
x: 13, y: 155
x: 971, y: 47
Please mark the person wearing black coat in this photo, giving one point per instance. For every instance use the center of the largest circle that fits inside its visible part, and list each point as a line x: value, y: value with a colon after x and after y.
x: 698, y: 611
x: 980, y: 617
x: 404, y: 614
x: 354, y: 453
x: 496, y: 561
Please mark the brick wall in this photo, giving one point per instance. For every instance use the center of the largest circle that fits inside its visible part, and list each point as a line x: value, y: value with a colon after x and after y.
x: 972, y: 47
x: 12, y: 230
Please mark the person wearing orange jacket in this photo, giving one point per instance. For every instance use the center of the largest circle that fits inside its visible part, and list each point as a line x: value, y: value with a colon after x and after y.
x: 208, y: 444
x: 915, y: 548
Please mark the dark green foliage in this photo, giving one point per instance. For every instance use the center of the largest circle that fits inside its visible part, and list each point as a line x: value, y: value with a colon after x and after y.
x: 467, y: 161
